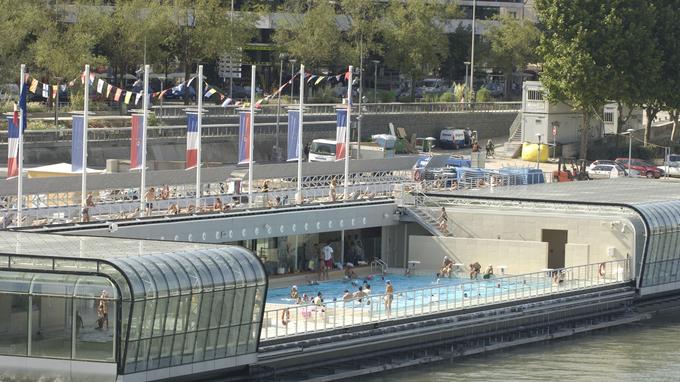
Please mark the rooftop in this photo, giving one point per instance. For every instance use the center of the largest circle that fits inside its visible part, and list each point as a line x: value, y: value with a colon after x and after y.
x: 38, y: 244
x: 628, y: 191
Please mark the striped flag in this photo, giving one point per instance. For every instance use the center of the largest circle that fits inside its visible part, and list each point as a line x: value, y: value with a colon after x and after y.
x: 100, y: 86
x: 136, y: 137
x: 77, y: 130
x: 13, y: 147
x: 192, y: 141
x: 46, y: 91
x: 340, y: 134
x: 244, y: 134
x: 210, y: 92
x: 119, y: 92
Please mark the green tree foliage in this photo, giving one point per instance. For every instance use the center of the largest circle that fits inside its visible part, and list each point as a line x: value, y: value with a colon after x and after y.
x: 21, y: 27
x: 458, y: 52
x: 313, y: 37
x: 591, y: 49
x: 363, y: 30
x: 414, y: 36
x: 513, y: 45
x: 206, y: 29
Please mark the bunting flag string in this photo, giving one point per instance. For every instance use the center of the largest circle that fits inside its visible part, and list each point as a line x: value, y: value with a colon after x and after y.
x: 108, y: 90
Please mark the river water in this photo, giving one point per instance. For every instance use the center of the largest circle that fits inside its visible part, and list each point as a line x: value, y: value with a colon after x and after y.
x: 646, y: 351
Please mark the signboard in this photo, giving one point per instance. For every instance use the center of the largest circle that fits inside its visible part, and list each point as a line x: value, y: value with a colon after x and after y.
x: 229, y: 67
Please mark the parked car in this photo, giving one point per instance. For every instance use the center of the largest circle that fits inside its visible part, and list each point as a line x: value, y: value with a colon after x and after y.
x: 430, y: 86
x: 673, y: 159
x: 495, y: 89
x: 673, y: 169
x: 645, y: 168
x: 601, y: 162
x: 606, y: 171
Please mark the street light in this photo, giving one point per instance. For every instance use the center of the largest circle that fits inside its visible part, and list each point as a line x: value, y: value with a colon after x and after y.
x: 292, y: 75
x: 538, y: 155
x: 467, y: 67
x: 629, y: 132
x: 472, y: 51
x: 375, y: 80
x: 282, y: 56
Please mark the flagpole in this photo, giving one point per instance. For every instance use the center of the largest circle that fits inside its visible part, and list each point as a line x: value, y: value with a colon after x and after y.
x: 198, y: 131
x: 299, y: 137
x: 20, y: 154
x: 145, y: 120
x: 251, y: 132
x: 86, y: 106
x: 349, y: 124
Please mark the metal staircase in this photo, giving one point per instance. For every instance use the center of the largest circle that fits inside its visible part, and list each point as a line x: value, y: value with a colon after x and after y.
x: 379, y: 264
x: 426, y: 211
x: 514, y: 137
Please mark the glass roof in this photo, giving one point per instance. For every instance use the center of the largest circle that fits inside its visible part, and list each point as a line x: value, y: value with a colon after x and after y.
x: 97, y: 248
x: 142, y: 269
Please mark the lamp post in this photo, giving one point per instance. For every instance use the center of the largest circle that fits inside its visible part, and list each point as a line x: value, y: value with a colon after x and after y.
x: 467, y: 67
x: 538, y: 154
x: 629, y: 132
x: 282, y: 57
x: 472, y: 50
x: 292, y: 75
x: 375, y: 80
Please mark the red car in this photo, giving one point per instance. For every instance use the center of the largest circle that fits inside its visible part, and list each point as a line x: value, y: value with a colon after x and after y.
x: 643, y: 167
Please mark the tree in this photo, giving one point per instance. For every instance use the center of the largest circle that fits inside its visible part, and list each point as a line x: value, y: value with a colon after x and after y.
x: 664, y: 92
x: 512, y: 45
x: 591, y: 53
x: 20, y: 29
x: 313, y: 38
x: 415, y: 39
x: 458, y: 53
x: 206, y: 29
x: 127, y: 34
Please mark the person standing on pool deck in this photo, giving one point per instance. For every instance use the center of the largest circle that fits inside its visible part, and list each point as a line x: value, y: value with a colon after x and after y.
x: 389, y: 296
x: 327, y: 258
x: 319, y: 260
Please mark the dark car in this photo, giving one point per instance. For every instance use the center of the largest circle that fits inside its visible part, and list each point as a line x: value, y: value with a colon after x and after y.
x: 643, y: 167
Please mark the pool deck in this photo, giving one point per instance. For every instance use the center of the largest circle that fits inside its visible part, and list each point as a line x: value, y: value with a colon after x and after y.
x: 286, y: 281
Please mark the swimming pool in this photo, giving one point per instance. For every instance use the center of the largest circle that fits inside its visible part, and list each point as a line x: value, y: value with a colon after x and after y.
x: 334, y: 289
x: 408, y: 290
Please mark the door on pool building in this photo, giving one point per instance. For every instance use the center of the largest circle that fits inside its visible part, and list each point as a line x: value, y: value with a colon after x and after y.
x: 556, y: 239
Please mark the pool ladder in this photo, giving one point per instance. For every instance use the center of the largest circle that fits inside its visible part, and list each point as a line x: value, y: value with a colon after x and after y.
x: 379, y: 263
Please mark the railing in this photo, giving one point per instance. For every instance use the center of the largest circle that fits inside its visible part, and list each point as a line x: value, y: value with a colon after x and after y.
x: 476, y: 181
x: 174, y: 111
x: 124, y: 204
x: 302, y: 319
x: 317, y: 129
x: 379, y: 263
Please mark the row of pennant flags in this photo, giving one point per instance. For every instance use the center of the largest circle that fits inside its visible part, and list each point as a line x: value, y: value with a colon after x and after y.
x: 136, y: 139
x: 117, y: 94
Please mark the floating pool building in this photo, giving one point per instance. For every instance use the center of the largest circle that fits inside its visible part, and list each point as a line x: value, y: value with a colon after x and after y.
x: 86, y: 308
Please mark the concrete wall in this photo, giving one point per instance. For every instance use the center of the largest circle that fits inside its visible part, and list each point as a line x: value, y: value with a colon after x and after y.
x: 508, y: 236
x: 517, y: 256
x: 526, y: 225
x: 225, y: 149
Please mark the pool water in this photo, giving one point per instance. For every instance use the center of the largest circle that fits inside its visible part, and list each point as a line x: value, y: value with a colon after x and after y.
x: 407, y: 290
x: 334, y: 289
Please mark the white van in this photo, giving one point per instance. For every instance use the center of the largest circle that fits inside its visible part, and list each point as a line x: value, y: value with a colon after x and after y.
x: 322, y: 150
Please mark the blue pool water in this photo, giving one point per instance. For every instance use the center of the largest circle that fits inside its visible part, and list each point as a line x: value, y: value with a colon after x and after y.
x: 335, y: 288
x: 408, y: 291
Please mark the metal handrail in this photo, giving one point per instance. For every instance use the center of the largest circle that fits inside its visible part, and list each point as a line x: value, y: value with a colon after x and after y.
x: 308, y: 318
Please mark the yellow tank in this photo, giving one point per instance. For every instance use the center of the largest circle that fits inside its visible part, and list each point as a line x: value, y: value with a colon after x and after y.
x: 530, y: 151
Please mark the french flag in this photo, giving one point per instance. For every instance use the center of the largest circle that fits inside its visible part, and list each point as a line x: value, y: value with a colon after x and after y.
x: 14, y: 134
x: 13, y: 149
x: 340, y: 134
x: 245, y: 135
x: 136, y: 140
x: 192, y: 140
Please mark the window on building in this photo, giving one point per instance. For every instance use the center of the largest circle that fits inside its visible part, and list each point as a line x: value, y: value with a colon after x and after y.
x: 535, y: 95
x: 609, y: 116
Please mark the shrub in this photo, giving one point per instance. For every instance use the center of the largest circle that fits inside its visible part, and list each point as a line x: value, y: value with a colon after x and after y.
x: 483, y: 95
x: 446, y: 97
